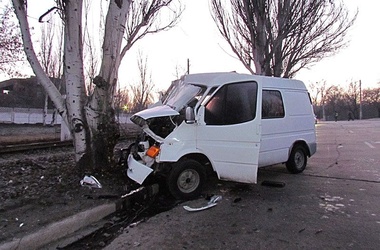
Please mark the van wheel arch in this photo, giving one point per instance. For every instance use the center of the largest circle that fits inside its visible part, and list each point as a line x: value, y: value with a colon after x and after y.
x: 297, y: 160
x: 202, y: 159
x: 303, y: 144
x: 186, y: 179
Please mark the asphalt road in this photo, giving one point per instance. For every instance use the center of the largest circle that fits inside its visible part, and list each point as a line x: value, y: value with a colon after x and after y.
x: 333, y: 204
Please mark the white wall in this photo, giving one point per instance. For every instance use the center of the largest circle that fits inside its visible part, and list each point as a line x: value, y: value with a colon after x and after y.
x: 26, y: 116
x: 33, y: 116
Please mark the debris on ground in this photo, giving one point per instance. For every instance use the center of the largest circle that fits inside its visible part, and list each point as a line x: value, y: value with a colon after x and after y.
x: 90, y: 182
x: 212, y: 202
x: 273, y: 184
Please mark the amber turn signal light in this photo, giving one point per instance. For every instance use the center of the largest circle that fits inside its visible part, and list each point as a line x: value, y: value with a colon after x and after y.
x: 153, y: 151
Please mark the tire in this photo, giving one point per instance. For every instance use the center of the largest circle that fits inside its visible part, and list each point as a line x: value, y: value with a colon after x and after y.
x: 186, y: 179
x: 297, y: 160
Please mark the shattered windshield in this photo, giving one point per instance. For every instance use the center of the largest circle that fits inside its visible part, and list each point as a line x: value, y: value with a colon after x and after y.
x: 184, y: 95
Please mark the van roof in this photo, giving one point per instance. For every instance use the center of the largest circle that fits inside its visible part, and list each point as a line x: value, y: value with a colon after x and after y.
x: 221, y: 78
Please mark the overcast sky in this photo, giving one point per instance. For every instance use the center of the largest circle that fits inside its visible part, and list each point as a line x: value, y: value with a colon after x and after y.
x: 197, y: 39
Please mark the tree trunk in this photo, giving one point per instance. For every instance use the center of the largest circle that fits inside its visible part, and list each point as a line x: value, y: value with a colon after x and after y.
x: 100, y: 111
x: 72, y: 113
x: 75, y: 85
x: 45, y: 110
x: 53, y: 117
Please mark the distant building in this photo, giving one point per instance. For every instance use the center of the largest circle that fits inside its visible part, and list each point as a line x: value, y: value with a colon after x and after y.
x: 23, y: 93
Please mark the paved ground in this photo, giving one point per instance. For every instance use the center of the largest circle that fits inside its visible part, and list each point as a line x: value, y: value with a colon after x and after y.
x: 334, y: 204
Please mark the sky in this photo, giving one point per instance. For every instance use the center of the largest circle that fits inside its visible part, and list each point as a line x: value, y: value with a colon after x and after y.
x: 196, y: 38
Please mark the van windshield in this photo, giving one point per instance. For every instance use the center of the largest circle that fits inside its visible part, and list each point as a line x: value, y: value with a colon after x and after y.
x: 183, y: 95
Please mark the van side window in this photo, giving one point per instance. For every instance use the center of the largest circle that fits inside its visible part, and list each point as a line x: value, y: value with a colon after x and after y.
x: 232, y: 104
x: 273, y: 106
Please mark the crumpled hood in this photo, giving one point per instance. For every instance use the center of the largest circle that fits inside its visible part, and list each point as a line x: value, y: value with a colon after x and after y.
x: 158, y: 111
x: 140, y: 118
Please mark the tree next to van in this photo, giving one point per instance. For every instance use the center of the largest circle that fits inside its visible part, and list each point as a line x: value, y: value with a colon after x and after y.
x: 228, y: 123
x: 279, y: 38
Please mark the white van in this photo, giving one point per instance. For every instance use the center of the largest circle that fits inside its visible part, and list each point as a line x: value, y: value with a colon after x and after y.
x: 228, y: 122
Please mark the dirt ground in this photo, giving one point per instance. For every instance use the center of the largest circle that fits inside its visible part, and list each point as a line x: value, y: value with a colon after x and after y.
x: 13, y: 134
x: 42, y: 186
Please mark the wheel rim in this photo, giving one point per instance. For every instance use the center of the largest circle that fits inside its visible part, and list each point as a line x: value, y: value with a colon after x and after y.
x: 188, y: 181
x: 299, y: 159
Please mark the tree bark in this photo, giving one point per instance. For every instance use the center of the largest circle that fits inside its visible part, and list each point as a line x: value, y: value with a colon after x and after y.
x: 45, y: 110
x: 75, y: 84
x: 100, y: 110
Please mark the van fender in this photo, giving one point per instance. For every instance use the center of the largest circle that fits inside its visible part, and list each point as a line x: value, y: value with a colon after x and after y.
x: 195, y: 154
x: 173, y: 153
x: 303, y: 144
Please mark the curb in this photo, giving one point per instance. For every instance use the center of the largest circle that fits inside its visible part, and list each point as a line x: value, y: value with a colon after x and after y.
x: 58, y: 230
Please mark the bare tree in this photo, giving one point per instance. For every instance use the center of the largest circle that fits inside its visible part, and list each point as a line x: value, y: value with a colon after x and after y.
x: 89, y: 116
x: 140, y: 19
x: 346, y: 101
x: 352, y: 100
x: 280, y: 37
x: 324, y: 92
x: 149, y: 17
x: 11, y: 49
x: 315, y: 93
x: 122, y: 101
x: 92, y: 46
x: 141, y: 93
x: 318, y: 96
x: 51, y: 56
x: 372, y: 97
x: 334, y: 99
x: 181, y: 71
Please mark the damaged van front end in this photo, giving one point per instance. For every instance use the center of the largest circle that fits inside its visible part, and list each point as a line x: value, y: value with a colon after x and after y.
x: 167, y: 133
x: 143, y: 156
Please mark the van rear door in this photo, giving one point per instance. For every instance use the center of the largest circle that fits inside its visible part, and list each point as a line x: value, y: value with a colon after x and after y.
x: 229, y: 131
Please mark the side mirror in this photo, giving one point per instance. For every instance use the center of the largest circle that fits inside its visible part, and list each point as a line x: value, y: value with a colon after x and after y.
x: 190, y: 116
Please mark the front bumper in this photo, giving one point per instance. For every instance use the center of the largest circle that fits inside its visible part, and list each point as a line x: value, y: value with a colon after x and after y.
x: 137, y: 171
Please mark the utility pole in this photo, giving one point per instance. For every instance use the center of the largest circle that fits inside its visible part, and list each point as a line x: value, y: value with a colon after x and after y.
x: 360, y: 96
x: 188, y: 66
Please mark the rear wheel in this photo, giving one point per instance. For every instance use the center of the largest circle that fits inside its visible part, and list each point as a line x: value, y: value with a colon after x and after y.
x: 186, y: 179
x: 297, y: 160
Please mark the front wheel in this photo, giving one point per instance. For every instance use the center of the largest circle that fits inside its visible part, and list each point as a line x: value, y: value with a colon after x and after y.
x: 186, y: 179
x: 297, y: 160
